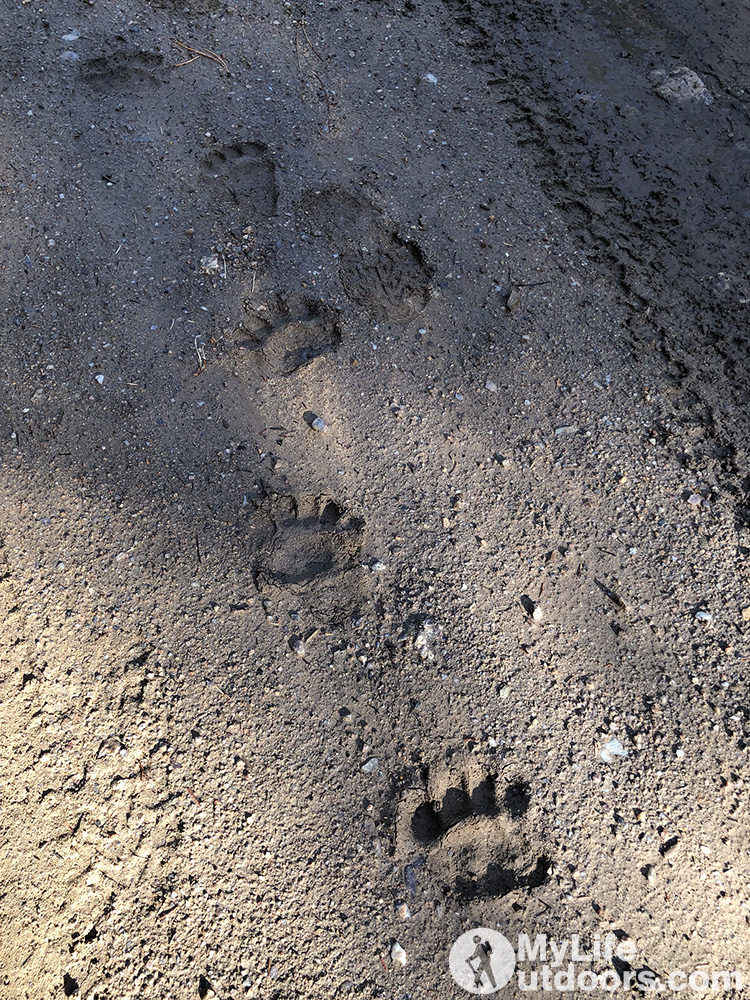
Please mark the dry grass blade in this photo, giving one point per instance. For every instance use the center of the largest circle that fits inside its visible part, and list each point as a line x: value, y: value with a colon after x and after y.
x: 309, y: 40
x: 206, y: 53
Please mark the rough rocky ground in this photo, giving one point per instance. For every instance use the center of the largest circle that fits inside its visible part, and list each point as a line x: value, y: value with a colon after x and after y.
x: 264, y: 684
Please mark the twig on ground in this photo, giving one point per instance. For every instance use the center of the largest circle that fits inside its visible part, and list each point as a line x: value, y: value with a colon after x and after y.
x: 309, y: 42
x: 302, y: 27
x: 200, y: 350
x: 325, y: 94
x: 206, y: 53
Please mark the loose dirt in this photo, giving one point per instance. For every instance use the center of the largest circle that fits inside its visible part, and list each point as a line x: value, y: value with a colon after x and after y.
x: 375, y: 524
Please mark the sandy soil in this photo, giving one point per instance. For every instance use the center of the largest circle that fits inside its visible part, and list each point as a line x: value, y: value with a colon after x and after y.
x: 374, y: 453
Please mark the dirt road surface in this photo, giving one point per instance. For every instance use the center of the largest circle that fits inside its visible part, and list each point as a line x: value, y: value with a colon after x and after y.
x: 375, y: 507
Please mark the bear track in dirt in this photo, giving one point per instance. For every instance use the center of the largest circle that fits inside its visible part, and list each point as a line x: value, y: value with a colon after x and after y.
x: 379, y: 270
x: 288, y: 332
x: 121, y: 69
x: 243, y: 178
x: 315, y: 553
x: 473, y: 833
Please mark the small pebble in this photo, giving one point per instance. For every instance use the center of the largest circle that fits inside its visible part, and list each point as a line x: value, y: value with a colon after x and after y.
x: 99, y: 379
x: 320, y: 425
x: 567, y: 429
x: 681, y: 85
x: 430, y: 78
x: 490, y: 386
x: 377, y: 566
x: 671, y: 850
x: 297, y: 646
x: 746, y: 614
x: 398, y: 954
x: 210, y: 264
x: 704, y: 616
x: 403, y: 912
x: 612, y: 749
x: 694, y: 499
x: 503, y: 693
x: 370, y: 765
x: 537, y: 614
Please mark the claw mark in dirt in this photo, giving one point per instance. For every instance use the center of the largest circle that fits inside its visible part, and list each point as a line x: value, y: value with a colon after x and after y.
x: 289, y: 331
x: 473, y: 834
x: 122, y: 69
x: 315, y: 550
x: 246, y: 175
x: 381, y: 271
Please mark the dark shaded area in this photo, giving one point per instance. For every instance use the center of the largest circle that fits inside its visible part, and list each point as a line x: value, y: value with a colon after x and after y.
x: 500, y: 878
x: 483, y: 798
x: 517, y: 798
x: 425, y: 824
x: 70, y: 986
x: 431, y: 819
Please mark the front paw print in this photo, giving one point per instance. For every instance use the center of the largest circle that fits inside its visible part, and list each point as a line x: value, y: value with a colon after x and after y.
x: 474, y: 834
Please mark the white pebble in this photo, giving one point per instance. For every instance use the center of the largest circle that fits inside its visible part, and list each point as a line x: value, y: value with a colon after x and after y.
x: 210, y: 264
x: 398, y: 954
x: 612, y: 749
